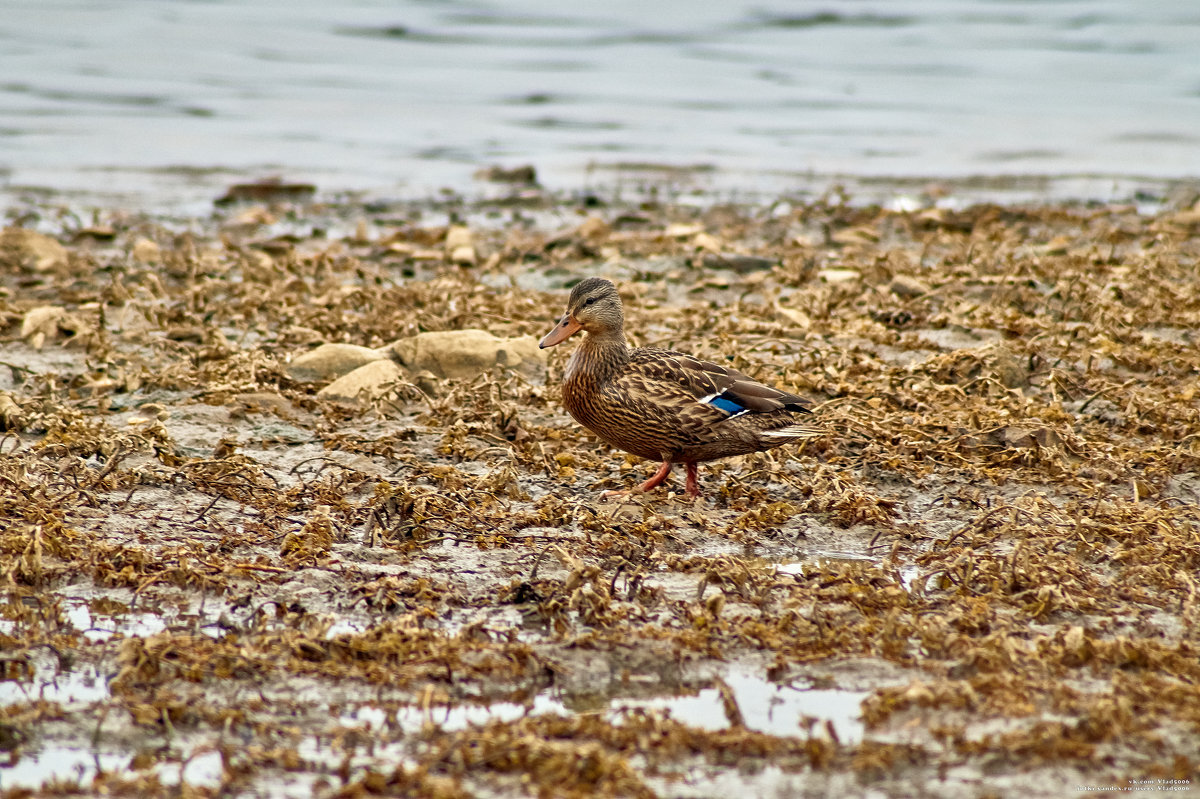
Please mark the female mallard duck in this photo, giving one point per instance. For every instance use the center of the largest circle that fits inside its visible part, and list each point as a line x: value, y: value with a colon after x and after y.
x: 664, y: 405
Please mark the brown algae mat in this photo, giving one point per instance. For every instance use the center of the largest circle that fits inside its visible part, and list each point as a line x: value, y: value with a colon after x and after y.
x: 982, y: 581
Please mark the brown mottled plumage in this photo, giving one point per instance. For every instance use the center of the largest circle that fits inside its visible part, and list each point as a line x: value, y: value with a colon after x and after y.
x: 663, y: 405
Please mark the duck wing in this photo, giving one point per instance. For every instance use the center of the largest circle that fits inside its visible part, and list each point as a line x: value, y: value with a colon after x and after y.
x: 680, y: 377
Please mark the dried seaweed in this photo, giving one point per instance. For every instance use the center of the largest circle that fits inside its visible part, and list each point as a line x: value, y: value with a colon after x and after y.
x: 998, y: 538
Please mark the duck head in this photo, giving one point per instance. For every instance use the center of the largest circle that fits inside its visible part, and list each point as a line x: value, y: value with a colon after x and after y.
x: 594, y: 306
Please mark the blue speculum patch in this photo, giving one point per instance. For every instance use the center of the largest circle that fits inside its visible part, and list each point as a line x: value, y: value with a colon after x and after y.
x: 727, y: 405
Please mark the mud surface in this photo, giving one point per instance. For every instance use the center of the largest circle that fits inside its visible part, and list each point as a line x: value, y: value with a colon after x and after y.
x: 981, y: 581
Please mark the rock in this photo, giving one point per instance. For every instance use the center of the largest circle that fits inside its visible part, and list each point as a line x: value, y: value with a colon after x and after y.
x: 252, y: 217
x: 146, y: 251
x: 1045, y: 437
x: 794, y: 317
x: 593, y: 228
x: 908, y: 287
x: 44, y: 323
x: 679, y: 230
x: 458, y: 236
x: 331, y: 361
x: 707, y: 243
x: 260, y: 402
x: 1010, y: 370
x: 460, y: 248
x: 742, y: 264
x: 957, y: 337
x: 97, y: 232
x: 30, y: 251
x: 1188, y: 218
x: 861, y: 234
x: 463, y: 256
x: 267, y: 190
x: 428, y: 383
x: 839, y: 275
x: 524, y: 174
x: 1183, y: 195
x: 366, y: 383
x: 461, y: 354
x: 11, y: 415
x: 1016, y: 437
x: 1056, y: 246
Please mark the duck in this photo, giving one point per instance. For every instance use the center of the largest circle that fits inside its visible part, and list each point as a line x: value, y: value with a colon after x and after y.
x: 663, y: 405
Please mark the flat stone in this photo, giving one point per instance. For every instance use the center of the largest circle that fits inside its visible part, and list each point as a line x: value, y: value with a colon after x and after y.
x: 368, y: 382
x: 463, y: 256
x: 45, y: 322
x: 30, y: 251
x: 460, y: 246
x: 463, y: 354
x: 1016, y: 437
x: 906, y: 286
x: 331, y: 361
x: 146, y: 251
x: 742, y: 264
x: 794, y: 317
x: 839, y: 275
x: 956, y: 337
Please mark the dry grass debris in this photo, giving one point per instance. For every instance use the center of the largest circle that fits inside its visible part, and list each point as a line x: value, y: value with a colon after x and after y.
x: 998, y: 540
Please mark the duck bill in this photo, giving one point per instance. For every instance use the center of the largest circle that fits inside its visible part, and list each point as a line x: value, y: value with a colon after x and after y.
x: 566, y: 328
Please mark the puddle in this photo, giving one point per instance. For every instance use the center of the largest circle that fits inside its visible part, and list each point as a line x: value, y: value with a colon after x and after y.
x: 324, y: 756
x: 908, y: 573
x: 199, y: 771
x: 65, y: 763
x: 453, y: 718
x: 769, y: 781
x: 346, y: 626
x: 84, y: 686
x: 816, y: 559
x: 58, y: 763
x: 102, y: 627
x: 766, y: 707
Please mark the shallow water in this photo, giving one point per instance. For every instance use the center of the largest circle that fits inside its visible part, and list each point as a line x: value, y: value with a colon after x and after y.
x: 766, y: 707
x: 169, y: 102
x: 57, y: 763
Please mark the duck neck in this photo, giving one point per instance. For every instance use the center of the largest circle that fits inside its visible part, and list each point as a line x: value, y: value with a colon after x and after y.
x: 598, y: 358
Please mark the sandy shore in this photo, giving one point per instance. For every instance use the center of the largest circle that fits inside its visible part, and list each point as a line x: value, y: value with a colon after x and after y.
x: 222, y: 580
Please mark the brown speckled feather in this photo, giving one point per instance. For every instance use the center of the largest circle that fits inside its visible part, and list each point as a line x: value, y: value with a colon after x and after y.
x: 651, y: 407
x: 660, y: 404
x: 703, y: 378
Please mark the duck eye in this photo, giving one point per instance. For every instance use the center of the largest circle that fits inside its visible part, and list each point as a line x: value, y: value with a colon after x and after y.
x: 589, y: 301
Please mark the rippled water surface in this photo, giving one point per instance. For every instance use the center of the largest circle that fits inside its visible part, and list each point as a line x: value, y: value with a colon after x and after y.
x: 159, y: 99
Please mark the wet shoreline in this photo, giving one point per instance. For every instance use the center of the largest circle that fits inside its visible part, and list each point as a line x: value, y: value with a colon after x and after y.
x: 222, y: 574
x: 191, y: 193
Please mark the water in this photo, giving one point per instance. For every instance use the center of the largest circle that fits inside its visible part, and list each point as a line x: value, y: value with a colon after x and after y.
x: 908, y: 574
x: 69, y: 689
x: 168, y: 102
x: 766, y: 707
x: 79, y: 765
x: 57, y: 763
x: 102, y: 628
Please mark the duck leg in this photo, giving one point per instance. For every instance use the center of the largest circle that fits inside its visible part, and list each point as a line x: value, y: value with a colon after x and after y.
x: 693, y: 479
x: 654, y: 482
x: 657, y: 478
